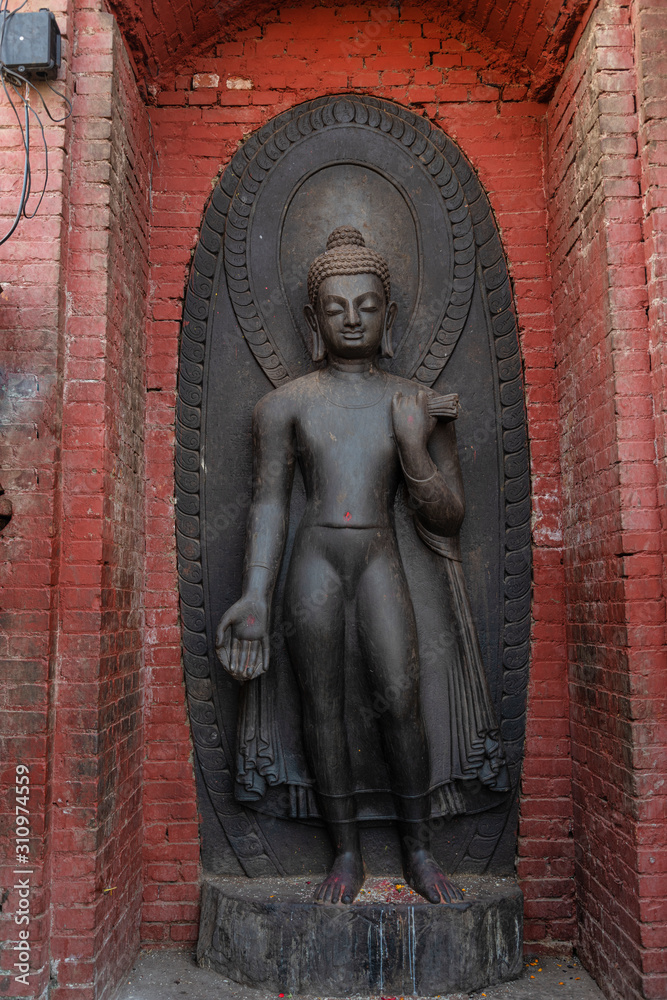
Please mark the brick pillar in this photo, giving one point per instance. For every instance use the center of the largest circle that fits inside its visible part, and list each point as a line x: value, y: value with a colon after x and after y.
x: 650, y: 34
x: 613, y: 543
x: 96, y: 879
x: 76, y: 630
x: 31, y: 357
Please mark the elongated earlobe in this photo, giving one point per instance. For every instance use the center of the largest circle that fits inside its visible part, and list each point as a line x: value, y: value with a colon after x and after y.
x: 387, y: 344
x: 317, y: 351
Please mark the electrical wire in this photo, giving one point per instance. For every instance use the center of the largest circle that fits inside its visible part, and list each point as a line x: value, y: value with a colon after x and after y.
x: 11, y: 78
x: 26, y: 173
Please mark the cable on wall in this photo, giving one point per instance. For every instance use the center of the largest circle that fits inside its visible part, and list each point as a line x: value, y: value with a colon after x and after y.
x: 20, y: 86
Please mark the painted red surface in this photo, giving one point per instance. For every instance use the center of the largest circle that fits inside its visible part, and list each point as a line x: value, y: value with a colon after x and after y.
x: 533, y: 33
x: 609, y: 397
x: 73, y: 317
x: 30, y: 321
x: 91, y: 681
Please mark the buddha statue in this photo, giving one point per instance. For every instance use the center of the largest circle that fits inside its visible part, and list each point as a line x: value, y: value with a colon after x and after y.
x: 357, y: 434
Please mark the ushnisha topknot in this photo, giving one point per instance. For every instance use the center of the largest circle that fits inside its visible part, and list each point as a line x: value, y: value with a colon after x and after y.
x: 346, y: 253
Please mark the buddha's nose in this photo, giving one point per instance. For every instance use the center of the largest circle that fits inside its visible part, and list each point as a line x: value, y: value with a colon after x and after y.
x: 352, y: 317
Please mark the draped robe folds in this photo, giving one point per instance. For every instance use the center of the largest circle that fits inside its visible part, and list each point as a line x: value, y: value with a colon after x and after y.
x: 468, y: 769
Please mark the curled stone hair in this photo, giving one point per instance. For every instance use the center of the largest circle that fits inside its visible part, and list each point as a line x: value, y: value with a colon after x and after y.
x: 346, y: 253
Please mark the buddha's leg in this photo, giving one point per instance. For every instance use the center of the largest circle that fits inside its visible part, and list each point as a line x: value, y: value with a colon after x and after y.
x: 314, y: 607
x: 388, y: 637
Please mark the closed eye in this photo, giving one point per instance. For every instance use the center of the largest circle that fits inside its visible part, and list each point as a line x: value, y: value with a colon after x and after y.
x: 368, y: 303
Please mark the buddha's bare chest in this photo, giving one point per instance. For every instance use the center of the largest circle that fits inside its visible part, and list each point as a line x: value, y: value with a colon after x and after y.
x: 339, y: 442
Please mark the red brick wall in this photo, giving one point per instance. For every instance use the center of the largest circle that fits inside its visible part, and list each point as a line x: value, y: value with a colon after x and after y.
x: 121, y: 690
x: 612, y: 526
x: 89, y: 461
x: 650, y: 35
x: 199, y: 116
x: 76, y: 539
x: 98, y: 709
x: 98, y: 723
x: 31, y: 335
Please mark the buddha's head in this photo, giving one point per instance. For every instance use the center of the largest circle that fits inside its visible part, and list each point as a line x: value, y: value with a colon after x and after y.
x: 350, y: 312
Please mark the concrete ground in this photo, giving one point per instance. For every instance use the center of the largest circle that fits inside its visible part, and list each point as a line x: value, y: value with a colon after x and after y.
x: 169, y: 975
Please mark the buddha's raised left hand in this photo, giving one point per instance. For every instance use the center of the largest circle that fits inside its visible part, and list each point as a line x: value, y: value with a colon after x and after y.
x: 413, y: 423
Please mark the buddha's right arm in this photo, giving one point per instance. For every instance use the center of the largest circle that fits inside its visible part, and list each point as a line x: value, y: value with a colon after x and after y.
x: 273, y: 472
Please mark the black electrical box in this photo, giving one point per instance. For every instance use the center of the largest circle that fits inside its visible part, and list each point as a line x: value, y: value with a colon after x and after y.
x: 30, y: 43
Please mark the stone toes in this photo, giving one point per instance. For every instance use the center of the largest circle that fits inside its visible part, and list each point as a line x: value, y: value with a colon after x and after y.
x: 329, y: 891
x: 323, y: 892
x: 451, y: 893
x: 429, y: 892
x: 454, y: 893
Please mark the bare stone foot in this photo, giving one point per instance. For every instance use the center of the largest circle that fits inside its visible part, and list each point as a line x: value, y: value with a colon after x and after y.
x: 343, y: 881
x: 424, y: 876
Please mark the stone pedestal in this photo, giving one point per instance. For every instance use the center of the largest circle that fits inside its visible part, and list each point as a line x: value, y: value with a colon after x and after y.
x: 269, y: 933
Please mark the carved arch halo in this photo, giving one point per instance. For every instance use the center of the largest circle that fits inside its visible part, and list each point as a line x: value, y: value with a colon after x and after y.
x: 224, y: 294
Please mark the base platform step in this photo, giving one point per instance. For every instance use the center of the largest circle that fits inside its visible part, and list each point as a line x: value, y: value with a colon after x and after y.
x: 270, y: 933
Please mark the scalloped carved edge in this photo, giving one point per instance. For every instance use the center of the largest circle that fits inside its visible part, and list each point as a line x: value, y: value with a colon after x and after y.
x: 234, y: 192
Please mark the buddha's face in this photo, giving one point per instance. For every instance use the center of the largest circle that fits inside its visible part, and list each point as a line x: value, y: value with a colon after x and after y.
x: 352, y: 316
